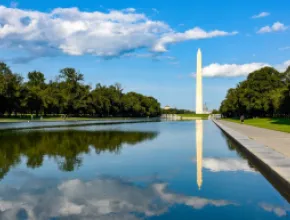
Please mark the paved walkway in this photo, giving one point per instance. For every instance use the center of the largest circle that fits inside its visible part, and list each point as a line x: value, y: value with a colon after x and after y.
x: 269, y: 147
x: 278, y: 141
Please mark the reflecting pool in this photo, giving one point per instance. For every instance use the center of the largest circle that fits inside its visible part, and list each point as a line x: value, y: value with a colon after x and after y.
x: 153, y: 170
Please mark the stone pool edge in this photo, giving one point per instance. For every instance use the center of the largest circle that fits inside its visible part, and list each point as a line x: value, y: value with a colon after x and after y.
x: 276, y: 162
x: 75, y: 125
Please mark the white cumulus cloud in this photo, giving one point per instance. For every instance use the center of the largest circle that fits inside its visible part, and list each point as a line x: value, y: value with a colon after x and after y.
x: 236, y: 70
x: 283, y: 66
x: 231, y: 70
x: 261, y: 15
x: 192, y: 34
x: 277, y: 26
x: 75, y: 32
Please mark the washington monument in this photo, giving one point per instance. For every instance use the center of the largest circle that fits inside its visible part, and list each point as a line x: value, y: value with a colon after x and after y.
x: 199, y: 105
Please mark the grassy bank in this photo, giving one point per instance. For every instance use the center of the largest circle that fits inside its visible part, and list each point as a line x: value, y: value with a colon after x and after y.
x: 278, y: 124
x: 193, y: 116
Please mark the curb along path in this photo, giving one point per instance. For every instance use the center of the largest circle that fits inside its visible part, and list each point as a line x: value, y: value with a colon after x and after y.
x: 275, y: 161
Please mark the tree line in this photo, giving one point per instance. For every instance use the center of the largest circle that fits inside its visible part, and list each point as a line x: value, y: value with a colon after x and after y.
x: 69, y: 95
x: 265, y: 93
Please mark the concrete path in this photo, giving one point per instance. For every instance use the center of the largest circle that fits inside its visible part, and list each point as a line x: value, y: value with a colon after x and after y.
x: 278, y: 163
x: 278, y: 141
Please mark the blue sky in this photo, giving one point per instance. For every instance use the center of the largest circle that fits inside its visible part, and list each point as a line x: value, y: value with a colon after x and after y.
x: 148, y: 46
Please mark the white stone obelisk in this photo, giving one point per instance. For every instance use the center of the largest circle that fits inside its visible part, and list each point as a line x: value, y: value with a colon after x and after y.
x: 199, y: 106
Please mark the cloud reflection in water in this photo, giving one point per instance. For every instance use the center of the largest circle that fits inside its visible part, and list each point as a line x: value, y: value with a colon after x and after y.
x: 104, y: 198
x: 277, y: 210
x: 226, y: 164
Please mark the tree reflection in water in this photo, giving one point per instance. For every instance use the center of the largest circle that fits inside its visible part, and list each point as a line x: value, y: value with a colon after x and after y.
x: 64, y: 146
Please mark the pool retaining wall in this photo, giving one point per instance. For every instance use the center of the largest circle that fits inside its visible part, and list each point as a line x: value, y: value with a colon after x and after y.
x: 273, y: 161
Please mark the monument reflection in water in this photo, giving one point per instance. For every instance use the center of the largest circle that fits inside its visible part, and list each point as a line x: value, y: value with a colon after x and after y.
x: 199, y: 146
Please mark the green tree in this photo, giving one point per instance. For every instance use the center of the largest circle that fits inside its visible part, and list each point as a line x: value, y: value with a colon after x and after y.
x: 10, y: 90
x: 261, y: 94
x: 215, y: 111
x: 71, y: 90
x: 35, y: 92
x: 69, y: 95
x: 285, y: 102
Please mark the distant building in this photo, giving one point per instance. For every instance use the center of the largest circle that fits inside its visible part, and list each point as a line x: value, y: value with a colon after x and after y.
x: 167, y: 107
x: 205, y: 109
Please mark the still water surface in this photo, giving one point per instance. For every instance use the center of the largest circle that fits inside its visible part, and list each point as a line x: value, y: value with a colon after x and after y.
x: 154, y: 170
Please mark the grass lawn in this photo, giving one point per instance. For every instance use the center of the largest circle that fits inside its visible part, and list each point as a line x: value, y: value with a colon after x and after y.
x: 278, y: 124
x: 194, y: 116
